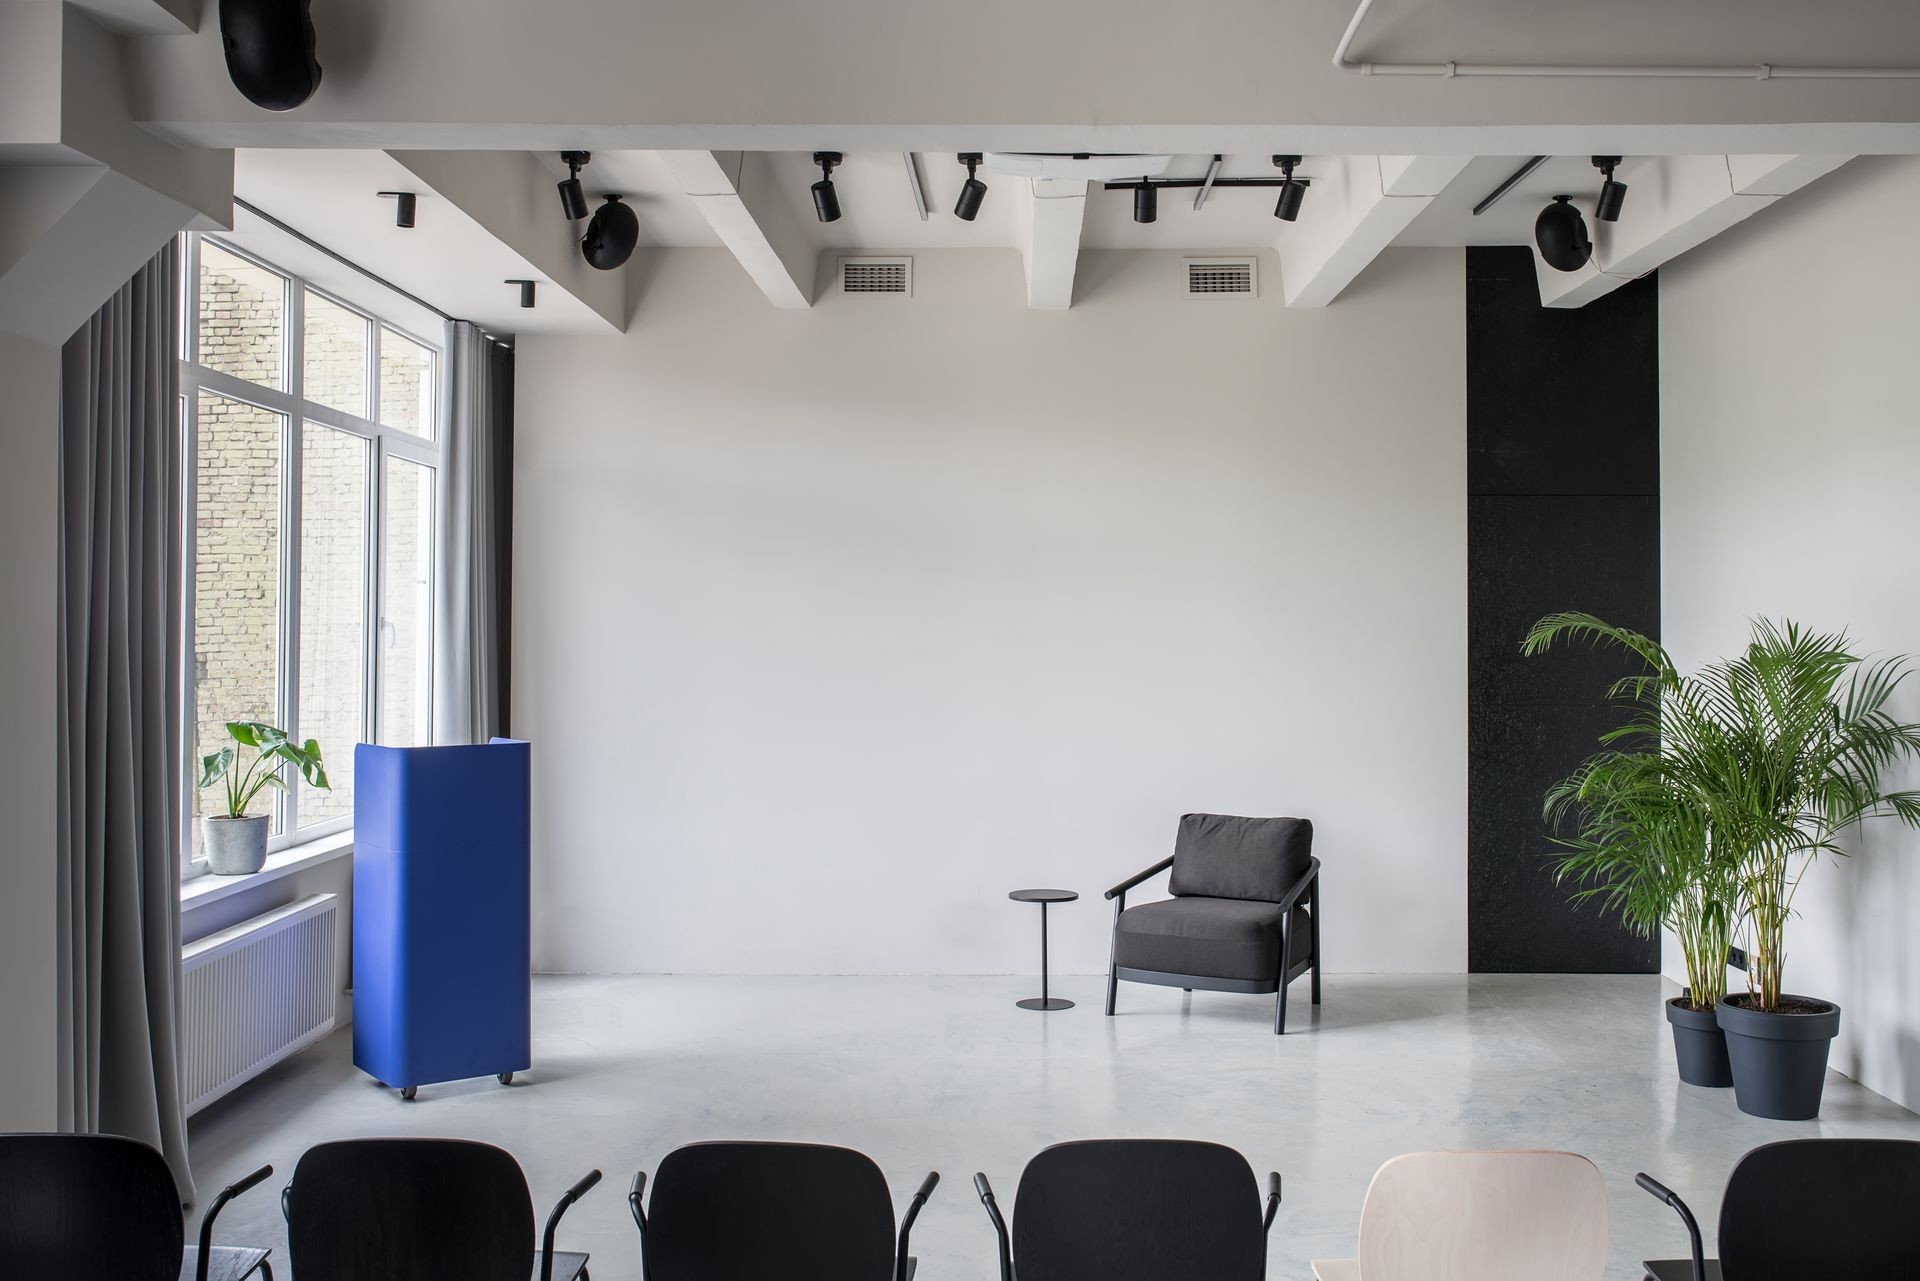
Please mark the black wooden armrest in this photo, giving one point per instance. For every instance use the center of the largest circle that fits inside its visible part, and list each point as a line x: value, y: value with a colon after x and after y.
x: 220, y: 1203
x: 1273, y: 1199
x: 1134, y: 880
x: 1300, y: 886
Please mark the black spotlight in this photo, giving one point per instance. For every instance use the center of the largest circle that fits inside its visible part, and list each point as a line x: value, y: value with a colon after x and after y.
x: 573, y: 198
x: 526, y: 291
x: 1146, y: 202
x: 611, y: 235
x: 403, y: 207
x: 1561, y: 233
x: 972, y: 192
x: 826, y: 204
x: 270, y: 51
x: 1612, y: 194
x: 1292, y: 192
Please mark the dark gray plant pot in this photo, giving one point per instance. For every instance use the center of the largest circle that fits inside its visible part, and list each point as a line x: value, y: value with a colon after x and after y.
x: 1699, y: 1046
x: 1779, y: 1060
x: 235, y: 846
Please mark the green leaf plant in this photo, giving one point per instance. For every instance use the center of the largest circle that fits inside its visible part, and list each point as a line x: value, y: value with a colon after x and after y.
x: 272, y: 749
x: 1724, y: 786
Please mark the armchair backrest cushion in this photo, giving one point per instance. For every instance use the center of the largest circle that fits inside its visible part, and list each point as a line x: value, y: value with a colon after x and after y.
x: 1220, y: 856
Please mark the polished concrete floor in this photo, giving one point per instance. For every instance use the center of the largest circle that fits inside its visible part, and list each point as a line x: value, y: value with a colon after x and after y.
x: 944, y: 1073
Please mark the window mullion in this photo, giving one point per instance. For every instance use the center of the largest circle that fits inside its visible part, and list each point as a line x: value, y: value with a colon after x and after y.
x: 376, y: 589
x: 292, y: 455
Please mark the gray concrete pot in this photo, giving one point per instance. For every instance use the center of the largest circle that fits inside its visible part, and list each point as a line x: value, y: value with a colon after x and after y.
x: 1699, y: 1046
x: 1779, y: 1060
x: 235, y: 846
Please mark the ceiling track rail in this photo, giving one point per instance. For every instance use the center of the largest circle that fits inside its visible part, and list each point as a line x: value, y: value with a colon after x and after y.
x: 1724, y: 71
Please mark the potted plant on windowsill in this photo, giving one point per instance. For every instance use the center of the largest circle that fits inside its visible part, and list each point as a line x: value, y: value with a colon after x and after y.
x: 1643, y: 841
x: 236, y: 841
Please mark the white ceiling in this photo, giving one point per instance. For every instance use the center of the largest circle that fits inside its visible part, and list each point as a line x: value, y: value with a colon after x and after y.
x: 1449, y: 219
x: 447, y: 258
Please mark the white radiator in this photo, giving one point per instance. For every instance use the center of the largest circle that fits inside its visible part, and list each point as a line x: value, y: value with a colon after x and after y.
x: 254, y: 994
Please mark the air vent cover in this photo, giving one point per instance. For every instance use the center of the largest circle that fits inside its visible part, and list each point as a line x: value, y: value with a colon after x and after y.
x: 877, y: 276
x: 1211, y: 277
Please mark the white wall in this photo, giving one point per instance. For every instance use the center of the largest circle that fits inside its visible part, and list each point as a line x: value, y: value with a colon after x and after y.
x: 1790, y: 456
x: 29, y: 531
x: 830, y: 628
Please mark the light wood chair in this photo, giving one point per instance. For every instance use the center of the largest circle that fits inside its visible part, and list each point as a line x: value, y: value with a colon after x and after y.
x: 1480, y: 1216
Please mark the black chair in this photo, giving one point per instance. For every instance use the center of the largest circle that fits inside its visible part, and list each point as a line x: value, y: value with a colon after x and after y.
x: 97, y: 1205
x: 1244, y: 916
x: 749, y: 1211
x: 422, y: 1209
x: 1135, y: 1210
x: 1839, y: 1208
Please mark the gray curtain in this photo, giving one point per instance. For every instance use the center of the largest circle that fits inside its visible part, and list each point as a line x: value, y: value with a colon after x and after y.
x: 119, y: 740
x: 471, y: 608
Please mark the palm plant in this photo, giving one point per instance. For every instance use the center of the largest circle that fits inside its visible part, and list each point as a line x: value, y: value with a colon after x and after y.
x: 1777, y: 751
x: 1644, y: 843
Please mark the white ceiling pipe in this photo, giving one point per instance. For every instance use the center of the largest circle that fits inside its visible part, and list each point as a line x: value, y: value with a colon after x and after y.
x: 1748, y: 71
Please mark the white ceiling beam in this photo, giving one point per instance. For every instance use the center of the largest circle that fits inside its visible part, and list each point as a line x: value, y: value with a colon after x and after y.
x: 1675, y: 203
x: 1356, y: 207
x: 738, y: 195
x: 511, y: 195
x: 1051, y: 217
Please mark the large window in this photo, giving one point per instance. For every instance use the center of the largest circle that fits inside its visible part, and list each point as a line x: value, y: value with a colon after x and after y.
x: 313, y: 464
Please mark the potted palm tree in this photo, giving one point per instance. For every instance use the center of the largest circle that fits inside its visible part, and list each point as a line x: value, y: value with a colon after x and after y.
x: 1643, y: 842
x: 236, y: 841
x: 1805, y: 721
x: 1780, y: 750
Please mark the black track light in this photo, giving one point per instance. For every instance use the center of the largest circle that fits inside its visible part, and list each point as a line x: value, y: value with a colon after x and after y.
x: 526, y: 291
x: 1561, y: 234
x: 573, y: 197
x: 1612, y: 194
x: 972, y: 192
x: 826, y: 203
x: 1146, y: 202
x: 611, y: 235
x: 1292, y: 191
x: 403, y: 207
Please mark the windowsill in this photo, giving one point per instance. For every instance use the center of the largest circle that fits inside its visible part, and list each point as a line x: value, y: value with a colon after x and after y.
x: 208, y: 888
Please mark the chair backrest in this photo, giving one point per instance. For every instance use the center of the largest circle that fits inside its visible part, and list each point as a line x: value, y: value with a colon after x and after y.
x: 1823, y: 1207
x: 1138, y: 1210
x: 1484, y: 1216
x: 87, y: 1205
x: 1221, y: 856
x: 743, y: 1211
x: 423, y: 1209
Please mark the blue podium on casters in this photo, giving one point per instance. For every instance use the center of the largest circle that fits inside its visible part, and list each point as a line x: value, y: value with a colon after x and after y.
x: 441, y: 954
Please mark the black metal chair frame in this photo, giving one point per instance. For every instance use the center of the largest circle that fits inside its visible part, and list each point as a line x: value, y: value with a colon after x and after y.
x: 1308, y: 885
x: 985, y: 1189
x: 905, y: 1265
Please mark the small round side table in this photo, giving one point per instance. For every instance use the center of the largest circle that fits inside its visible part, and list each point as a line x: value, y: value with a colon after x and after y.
x: 1043, y: 898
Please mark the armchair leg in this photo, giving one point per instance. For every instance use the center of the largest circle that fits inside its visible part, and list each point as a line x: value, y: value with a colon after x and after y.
x: 1313, y: 933
x: 1280, y: 1007
x: 1113, y: 987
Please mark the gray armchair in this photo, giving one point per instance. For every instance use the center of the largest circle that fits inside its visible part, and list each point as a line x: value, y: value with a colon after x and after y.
x: 1244, y: 916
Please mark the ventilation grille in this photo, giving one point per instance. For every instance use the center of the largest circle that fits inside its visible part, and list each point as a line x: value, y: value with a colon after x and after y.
x: 1214, y: 276
x: 254, y: 994
x: 876, y: 276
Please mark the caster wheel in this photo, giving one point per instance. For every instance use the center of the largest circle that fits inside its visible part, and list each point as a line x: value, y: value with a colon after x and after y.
x: 407, y: 1092
x: 506, y: 1078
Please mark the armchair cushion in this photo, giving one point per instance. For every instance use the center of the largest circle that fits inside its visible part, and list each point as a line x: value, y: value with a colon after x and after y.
x: 1219, y: 938
x: 1220, y: 856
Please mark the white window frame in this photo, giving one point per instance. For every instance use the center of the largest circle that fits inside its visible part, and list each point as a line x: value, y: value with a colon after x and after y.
x: 295, y: 411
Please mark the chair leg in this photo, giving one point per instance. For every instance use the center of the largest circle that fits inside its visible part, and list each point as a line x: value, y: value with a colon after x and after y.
x: 1313, y: 933
x: 1113, y: 987
x: 1280, y: 1007
x: 266, y: 1273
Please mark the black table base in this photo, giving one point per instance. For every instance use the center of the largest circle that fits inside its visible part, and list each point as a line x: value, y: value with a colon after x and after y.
x: 1044, y: 1001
